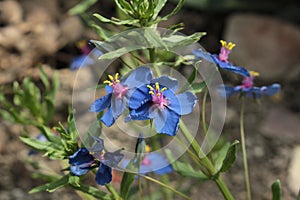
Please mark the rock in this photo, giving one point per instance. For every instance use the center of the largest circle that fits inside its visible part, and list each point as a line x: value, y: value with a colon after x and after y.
x: 10, y: 12
x: 71, y: 29
x: 293, y: 171
x: 282, y: 124
x: 264, y: 44
x: 9, y: 36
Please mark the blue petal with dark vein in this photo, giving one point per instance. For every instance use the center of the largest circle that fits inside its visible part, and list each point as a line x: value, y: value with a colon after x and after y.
x: 101, y: 103
x: 167, y: 122
x: 272, y: 89
x: 81, y: 156
x: 108, y: 118
x: 103, y: 175
x: 184, y: 103
x: 139, y: 97
x: 139, y: 76
x: 166, y: 81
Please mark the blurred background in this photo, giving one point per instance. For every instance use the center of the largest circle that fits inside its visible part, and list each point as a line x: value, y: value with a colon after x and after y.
x: 37, y: 33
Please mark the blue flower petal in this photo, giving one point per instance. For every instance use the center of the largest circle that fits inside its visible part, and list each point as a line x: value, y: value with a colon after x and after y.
x: 118, y: 106
x: 271, y: 90
x: 226, y: 90
x: 81, y: 156
x: 224, y: 65
x: 138, y: 77
x: 254, y: 92
x: 141, y: 113
x: 108, y: 118
x: 167, y: 122
x: 166, y: 81
x: 103, y: 175
x: 184, y: 104
x: 81, y: 162
x: 204, y: 55
x: 101, y: 103
x: 158, y: 164
x: 78, y: 170
x: 109, y: 89
x: 139, y: 97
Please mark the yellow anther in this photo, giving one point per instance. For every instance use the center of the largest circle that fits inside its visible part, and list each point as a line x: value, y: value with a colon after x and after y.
x: 163, y: 89
x: 150, y: 87
x: 226, y: 45
x: 157, y: 86
x: 158, y: 94
x: 147, y: 148
x: 111, y: 77
x: 117, y: 76
x: 151, y: 92
x: 107, y: 82
x: 254, y: 73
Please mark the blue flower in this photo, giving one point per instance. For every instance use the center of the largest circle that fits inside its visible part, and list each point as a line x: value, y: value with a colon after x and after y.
x: 221, y: 60
x: 88, y: 57
x: 84, y: 160
x: 248, y: 89
x: 159, y: 102
x: 119, y: 91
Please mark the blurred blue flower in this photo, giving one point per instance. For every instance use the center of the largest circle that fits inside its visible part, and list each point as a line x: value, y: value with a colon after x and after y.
x: 119, y: 91
x: 248, y: 88
x: 84, y: 160
x: 221, y: 60
x: 159, y: 101
x: 89, y: 56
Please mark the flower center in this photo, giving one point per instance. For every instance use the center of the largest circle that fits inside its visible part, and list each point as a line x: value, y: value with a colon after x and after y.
x: 157, y: 95
x: 225, y: 50
x: 118, y: 88
x: 146, y: 160
x: 248, y: 81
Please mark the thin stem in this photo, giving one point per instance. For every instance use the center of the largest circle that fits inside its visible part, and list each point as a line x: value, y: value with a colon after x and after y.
x: 140, y: 188
x: 165, y: 186
x: 122, y: 61
x: 206, y: 162
x: 112, y: 191
x: 204, y: 122
x: 244, y: 149
x: 152, y: 56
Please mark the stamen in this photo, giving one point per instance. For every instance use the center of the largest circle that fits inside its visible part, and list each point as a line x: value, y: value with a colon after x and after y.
x: 226, y: 45
x: 111, y: 77
x: 112, y: 80
x: 157, y: 86
x: 147, y: 148
x: 150, y: 87
x: 254, y: 73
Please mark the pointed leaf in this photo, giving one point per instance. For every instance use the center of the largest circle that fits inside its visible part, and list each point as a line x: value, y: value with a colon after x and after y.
x: 230, y: 157
x: 51, y: 187
x: 82, y: 7
x: 276, y: 190
x: 95, y: 192
x: 126, y: 183
x: 158, y: 8
x: 129, y: 22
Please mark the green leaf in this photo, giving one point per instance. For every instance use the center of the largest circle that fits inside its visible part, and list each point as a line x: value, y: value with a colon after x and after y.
x: 176, y: 9
x: 198, y: 87
x: 51, y: 187
x: 95, y: 192
x: 36, y: 144
x: 125, y: 7
x: 276, y: 190
x: 185, y: 169
x: 74, y: 181
x: 230, y: 157
x: 129, y: 22
x: 81, y: 7
x: 153, y: 38
x: 119, y: 52
x: 158, y: 8
x: 173, y: 41
x: 126, y: 183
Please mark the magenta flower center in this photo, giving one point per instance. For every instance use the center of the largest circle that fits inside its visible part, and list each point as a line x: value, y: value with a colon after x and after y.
x: 146, y: 161
x: 248, y: 81
x: 225, y: 50
x: 158, y: 98
x: 118, y: 88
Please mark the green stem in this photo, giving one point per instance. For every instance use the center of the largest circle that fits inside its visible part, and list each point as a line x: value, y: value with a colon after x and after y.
x: 113, y: 191
x: 204, y: 122
x: 244, y: 149
x: 206, y: 162
x: 152, y: 56
x: 140, y: 188
x: 167, y: 193
x: 165, y: 186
